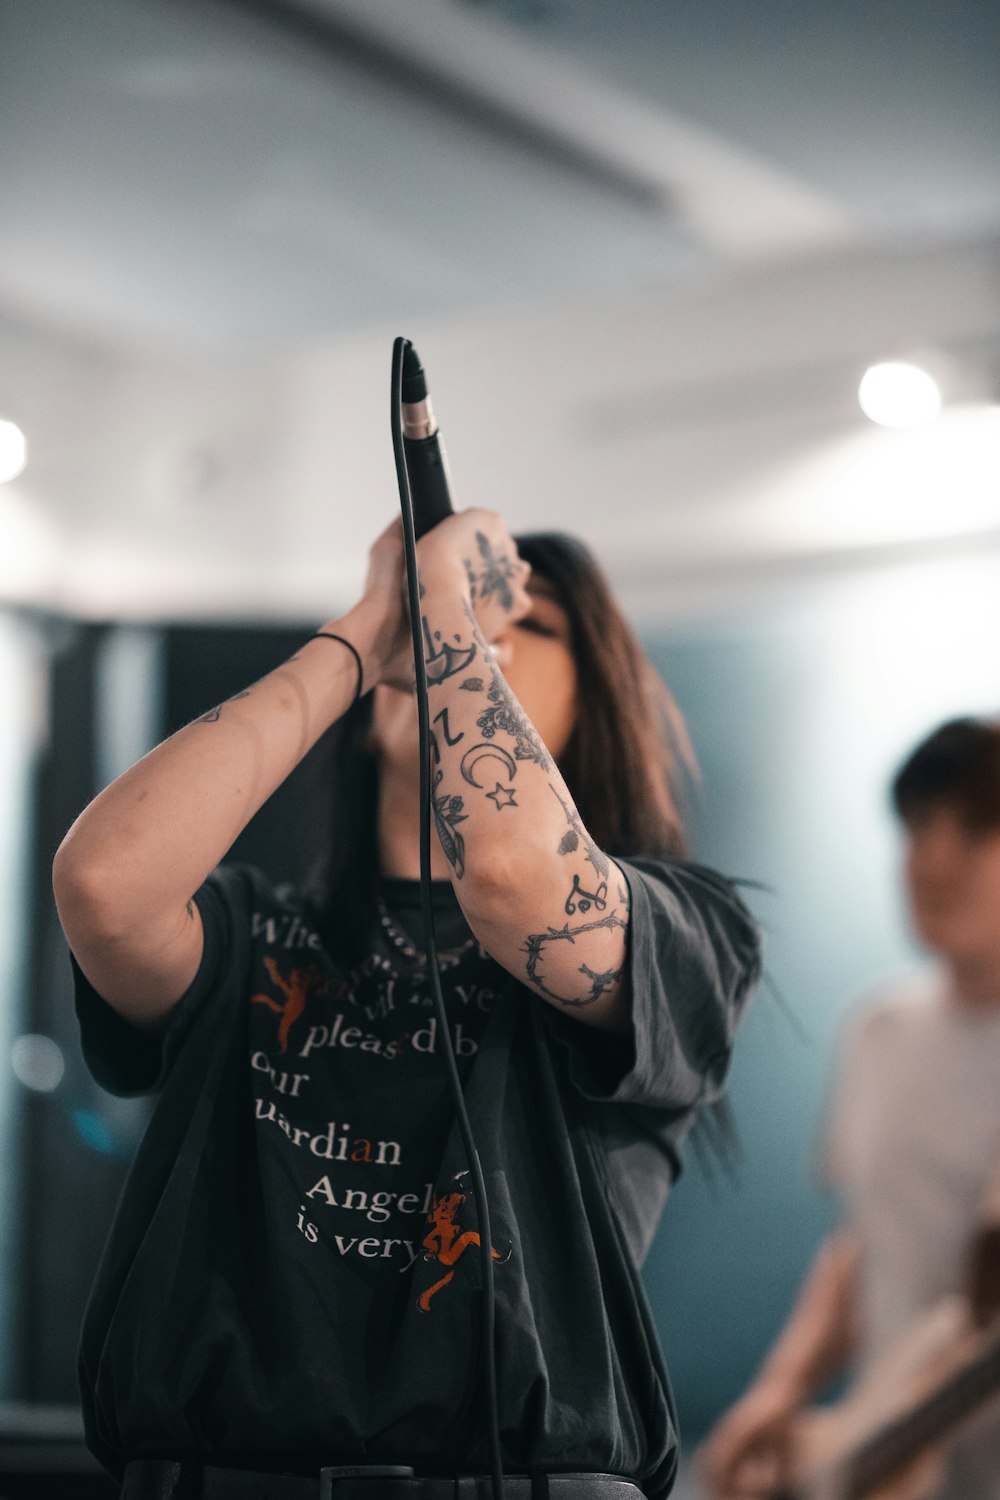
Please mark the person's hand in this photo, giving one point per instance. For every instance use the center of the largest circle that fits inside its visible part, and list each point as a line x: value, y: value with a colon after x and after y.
x: 384, y: 599
x: 748, y: 1451
x: 468, y: 556
x: 472, y: 555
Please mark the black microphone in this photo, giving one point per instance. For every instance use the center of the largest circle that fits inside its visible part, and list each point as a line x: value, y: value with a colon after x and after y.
x: 426, y: 463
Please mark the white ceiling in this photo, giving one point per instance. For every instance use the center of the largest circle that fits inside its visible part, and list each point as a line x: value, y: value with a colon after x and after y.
x: 668, y: 235
x: 214, y: 175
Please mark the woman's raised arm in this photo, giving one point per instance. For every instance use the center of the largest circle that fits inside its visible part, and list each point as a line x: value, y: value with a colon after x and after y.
x: 126, y: 871
x: 539, y: 894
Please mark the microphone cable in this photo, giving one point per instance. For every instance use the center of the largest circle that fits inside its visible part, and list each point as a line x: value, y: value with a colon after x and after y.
x: 488, y: 1318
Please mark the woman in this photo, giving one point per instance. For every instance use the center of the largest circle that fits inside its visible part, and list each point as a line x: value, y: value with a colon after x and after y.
x: 272, y: 1301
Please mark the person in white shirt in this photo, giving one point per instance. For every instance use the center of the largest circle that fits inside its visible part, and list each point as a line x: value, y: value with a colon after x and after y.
x: 912, y: 1142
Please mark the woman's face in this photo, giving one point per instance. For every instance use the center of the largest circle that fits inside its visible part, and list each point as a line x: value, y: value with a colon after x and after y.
x: 536, y: 658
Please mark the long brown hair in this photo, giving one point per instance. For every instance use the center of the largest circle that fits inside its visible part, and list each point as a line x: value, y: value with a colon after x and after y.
x: 626, y: 757
x: 623, y: 764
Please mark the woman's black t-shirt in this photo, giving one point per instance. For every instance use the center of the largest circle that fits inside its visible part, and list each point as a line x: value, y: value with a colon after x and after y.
x: 293, y: 1276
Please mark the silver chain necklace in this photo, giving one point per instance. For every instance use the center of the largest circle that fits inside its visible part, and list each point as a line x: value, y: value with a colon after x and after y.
x: 401, y: 941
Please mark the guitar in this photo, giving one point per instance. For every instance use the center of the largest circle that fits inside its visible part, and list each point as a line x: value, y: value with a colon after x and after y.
x: 888, y: 1439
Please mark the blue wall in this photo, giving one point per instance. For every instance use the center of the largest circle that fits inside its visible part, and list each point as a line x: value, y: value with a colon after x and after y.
x: 800, y: 711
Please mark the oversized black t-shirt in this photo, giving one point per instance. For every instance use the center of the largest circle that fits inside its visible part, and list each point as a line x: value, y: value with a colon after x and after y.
x: 293, y: 1276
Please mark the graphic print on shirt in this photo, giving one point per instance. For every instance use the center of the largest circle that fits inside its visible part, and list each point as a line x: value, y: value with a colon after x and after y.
x: 296, y: 991
x: 354, y: 1148
x: 447, y: 1241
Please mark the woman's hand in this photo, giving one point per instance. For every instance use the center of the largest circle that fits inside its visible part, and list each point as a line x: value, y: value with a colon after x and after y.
x: 471, y: 555
x: 384, y: 600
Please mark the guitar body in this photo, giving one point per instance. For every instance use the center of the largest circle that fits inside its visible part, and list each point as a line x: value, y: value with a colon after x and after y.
x: 912, y: 1403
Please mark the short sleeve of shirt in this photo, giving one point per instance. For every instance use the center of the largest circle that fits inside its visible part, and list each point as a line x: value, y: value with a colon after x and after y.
x: 127, y: 1061
x: 693, y: 960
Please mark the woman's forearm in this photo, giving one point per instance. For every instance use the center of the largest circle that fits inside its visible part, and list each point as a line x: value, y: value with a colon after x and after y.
x: 549, y: 905
x: 148, y: 841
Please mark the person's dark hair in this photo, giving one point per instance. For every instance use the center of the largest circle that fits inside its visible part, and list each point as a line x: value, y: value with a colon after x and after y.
x: 625, y: 757
x: 957, y: 766
x: 622, y: 765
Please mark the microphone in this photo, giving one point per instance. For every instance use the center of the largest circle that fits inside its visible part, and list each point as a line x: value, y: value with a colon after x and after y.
x: 426, y: 463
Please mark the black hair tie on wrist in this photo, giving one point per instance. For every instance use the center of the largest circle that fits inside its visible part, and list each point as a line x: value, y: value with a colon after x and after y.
x: 328, y: 635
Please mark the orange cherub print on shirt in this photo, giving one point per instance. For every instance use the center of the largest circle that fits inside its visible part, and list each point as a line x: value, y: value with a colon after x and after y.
x: 296, y: 991
x: 447, y: 1241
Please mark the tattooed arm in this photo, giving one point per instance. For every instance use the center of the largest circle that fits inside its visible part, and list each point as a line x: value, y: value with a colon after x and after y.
x: 125, y: 873
x: 541, y: 896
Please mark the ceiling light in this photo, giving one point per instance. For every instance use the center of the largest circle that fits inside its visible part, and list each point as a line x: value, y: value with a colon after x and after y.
x: 896, y: 394
x: 13, y: 451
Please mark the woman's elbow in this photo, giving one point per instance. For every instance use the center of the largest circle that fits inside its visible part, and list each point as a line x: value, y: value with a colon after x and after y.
x: 87, y: 892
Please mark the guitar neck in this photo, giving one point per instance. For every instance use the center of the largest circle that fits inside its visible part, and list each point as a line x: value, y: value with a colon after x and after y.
x: 901, y: 1440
